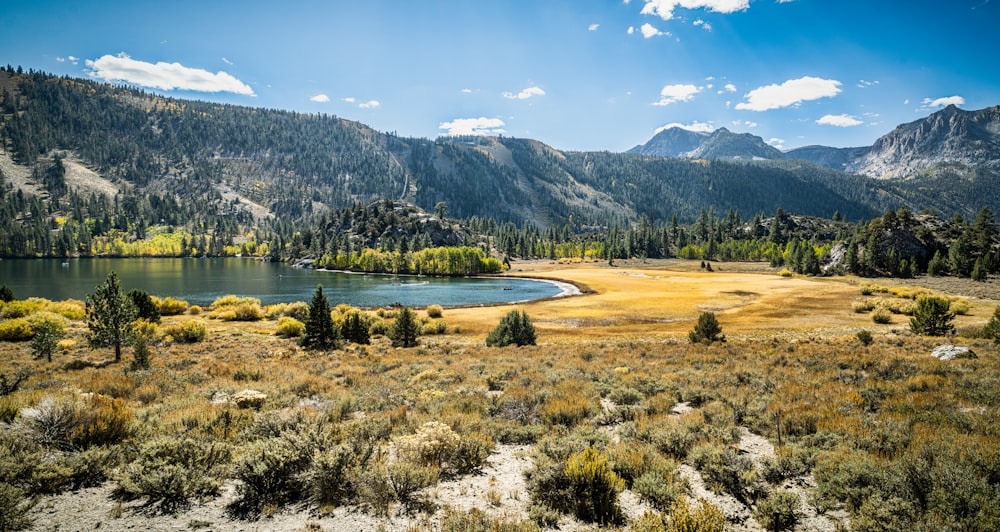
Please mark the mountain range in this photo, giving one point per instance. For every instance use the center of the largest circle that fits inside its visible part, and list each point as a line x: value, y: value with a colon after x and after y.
x: 212, y: 161
x: 948, y: 137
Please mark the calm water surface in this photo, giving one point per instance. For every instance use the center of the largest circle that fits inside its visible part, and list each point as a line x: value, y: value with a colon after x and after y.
x: 201, y: 281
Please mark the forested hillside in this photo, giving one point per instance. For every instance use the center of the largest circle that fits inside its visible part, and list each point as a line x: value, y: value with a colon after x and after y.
x: 94, y: 169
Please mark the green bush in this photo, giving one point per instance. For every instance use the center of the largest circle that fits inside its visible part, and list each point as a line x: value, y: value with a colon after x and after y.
x: 170, y: 471
x: 144, y: 304
x: 14, y: 508
x: 514, y: 328
x: 405, y: 329
x: 406, y: 479
x: 475, y: 519
x: 881, y: 315
x: 725, y: 470
x: 661, y: 489
x: 270, y: 472
x: 865, y: 337
x: 992, y: 328
x: 434, y: 327
x: 19, y: 309
x: 778, y: 511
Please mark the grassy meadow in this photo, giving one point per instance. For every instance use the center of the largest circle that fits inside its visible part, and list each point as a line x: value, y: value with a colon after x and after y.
x: 795, y: 421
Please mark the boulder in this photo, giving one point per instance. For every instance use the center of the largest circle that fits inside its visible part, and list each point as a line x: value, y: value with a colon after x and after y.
x: 249, y: 399
x: 951, y: 352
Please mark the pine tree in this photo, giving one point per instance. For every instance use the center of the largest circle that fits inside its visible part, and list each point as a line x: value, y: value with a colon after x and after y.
x: 405, y: 330
x: 979, y: 270
x: 707, y: 329
x: 320, y: 332
x: 937, y: 266
x: 47, y: 335
x: 110, y: 314
x: 355, y: 329
x: 992, y: 329
x: 932, y: 316
x: 144, y: 305
x: 514, y: 328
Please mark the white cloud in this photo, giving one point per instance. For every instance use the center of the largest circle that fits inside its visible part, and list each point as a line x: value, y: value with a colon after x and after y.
x: 370, y: 104
x: 748, y: 123
x: 791, y: 92
x: 941, y: 102
x: 593, y: 27
x: 525, y: 93
x: 226, y: 61
x: 649, y: 31
x: 61, y: 59
x: 631, y: 30
x: 665, y: 8
x: 863, y: 84
x: 319, y: 98
x: 165, y: 76
x: 697, y: 127
x: 704, y: 25
x: 839, y: 121
x: 466, y: 91
x: 73, y: 59
x: 730, y: 87
x: 676, y: 93
x: 350, y: 99
x: 777, y: 143
x: 473, y: 126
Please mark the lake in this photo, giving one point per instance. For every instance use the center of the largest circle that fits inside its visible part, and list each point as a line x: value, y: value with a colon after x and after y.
x: 201, y: 281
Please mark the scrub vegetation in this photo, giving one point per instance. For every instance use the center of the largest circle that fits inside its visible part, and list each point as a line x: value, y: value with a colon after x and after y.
x: 808, y: 412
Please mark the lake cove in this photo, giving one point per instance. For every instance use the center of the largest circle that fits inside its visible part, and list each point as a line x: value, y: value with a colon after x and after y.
x: 201, y: 281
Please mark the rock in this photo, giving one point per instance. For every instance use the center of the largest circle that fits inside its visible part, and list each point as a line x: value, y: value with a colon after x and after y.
x: 249, y: 399
x: 951, y: 352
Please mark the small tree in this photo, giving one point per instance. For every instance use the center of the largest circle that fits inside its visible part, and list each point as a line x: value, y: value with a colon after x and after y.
x: 707, y: 329
x: 355, y: 328
x: 992, y: 328
x: 47, y: 336
x: 405, y: 329
x: 144, y: 305
x: 514, y: 328
x: 320, y: 332
x: 979, y: 272
x: 110, y: 314
x: 932, y: 316
x: 6, y: 295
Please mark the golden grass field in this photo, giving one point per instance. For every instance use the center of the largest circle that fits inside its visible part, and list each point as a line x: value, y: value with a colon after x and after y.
x: 792, y: 403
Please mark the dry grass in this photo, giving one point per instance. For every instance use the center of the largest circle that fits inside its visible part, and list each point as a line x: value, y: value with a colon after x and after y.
x: 609, y: 369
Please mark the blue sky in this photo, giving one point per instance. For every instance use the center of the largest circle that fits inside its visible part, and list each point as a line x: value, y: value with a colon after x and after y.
x: 575, y: 74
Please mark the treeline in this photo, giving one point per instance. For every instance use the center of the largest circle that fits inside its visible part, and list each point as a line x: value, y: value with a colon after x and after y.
x: 431, y: 261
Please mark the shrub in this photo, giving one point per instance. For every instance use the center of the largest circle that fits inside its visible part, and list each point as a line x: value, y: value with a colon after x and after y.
x: 865, y: 337
x: 290, y: 327
x: 170, y: 471
x: 471, y: 454
x: 594, y: 486
x: 170, y: 306
x: 270, y: 472
x: 514, y: 328
x: 19, y: 309
x: 863, y: 305
x: 233, y: 301
x: 725, y: 470
x: 960, y: 307
x: 881, y: 315
x: 785, y: 272
x: 188, y: 331
x: 72, y: 309
x: 932, y: 316
x: 378, y: 327
x: 16, y: 330
x: 434, y: 311
x: 661, y: 488
x: 433, y: 444
x: 434, y: 327
x: 273, y: 312
x: 406, y: 478
x: 298, y: 310
x: 475, y: 519
x: 778, y: 511
x: 707, y: 329
x: 706, y: 517
x: 14, y: 508
x: 6, y: 294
